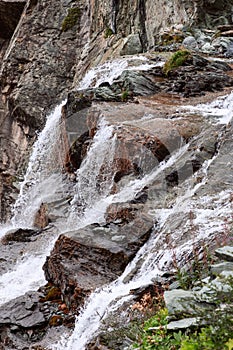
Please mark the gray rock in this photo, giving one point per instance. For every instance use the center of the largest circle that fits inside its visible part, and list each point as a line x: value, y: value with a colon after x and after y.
x: 211, y: 292
x: 132, y: 45
x: 225, y: 253
x: 226, y: 274
x: 222, y: 44
x: 179, y: 301
x: 23, y: 311
x: 207, y: 47
x: 183, y: 324
x: 190, y: 43
x: 217, y: 269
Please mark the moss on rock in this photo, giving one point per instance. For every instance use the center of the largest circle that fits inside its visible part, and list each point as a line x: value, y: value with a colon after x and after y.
x: 71, y: 19
x: 176, y: 60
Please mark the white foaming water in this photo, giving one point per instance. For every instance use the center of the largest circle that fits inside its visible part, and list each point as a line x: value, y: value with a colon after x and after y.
x: 44, y: 170
x: 111, y: 70
x: 95, y: 176
x: 157, y: 255
x: 220, y: 110
x: 38, y: 186
x: 103, y: 300
x: 26, y: 276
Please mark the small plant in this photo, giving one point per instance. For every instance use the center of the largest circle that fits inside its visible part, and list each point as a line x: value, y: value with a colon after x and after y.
x: 124, y: 95
x: 71, y: 19
x: 176, y: 60
x: 216, y: 336
x: 156, y: 336
x: 108, y: 32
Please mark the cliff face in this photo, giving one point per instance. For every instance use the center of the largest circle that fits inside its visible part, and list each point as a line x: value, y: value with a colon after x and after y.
x: 42, y: 59
x: 45, y: 49
x: 43, y: 56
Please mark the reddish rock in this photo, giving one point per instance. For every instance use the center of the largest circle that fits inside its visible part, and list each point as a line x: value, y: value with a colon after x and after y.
x: 41, y: 219
x: 92, y: 256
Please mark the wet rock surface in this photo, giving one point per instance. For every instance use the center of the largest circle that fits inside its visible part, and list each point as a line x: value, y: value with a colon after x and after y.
x: 39, y: 67
x: 95, y: 255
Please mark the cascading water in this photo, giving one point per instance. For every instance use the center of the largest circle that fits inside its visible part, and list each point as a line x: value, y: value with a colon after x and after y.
x: 44, y: 182
x: 89, y: 190
x: 44, y: 170
x: 205, y: 218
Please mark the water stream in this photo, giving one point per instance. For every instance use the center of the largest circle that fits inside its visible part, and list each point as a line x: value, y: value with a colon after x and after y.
x: 155, y: 257
x: 45, y: 182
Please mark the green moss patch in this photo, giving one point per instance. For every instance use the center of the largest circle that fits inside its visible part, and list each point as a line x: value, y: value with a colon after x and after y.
x: 71, y: 19
x: 176, y: 60
x: 108, y: 32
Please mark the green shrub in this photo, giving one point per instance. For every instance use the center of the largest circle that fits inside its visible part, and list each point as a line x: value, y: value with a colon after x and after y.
x: 158, y: 338
x: 71, y: 19
x: 216, y: 336
x: 176, y: 60
x: 108, y: 32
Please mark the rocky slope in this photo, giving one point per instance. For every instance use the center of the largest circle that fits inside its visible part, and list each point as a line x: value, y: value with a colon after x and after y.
x: 45, y: 51
x: 42, y: 56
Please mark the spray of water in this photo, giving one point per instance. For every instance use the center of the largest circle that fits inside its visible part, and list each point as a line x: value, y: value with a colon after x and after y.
x: 44, y: 169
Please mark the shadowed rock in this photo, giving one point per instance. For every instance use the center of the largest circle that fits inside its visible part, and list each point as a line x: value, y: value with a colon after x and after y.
x: 10, y: 12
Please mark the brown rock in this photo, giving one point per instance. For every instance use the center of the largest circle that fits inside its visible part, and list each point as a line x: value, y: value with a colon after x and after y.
x: 41, y: 218
x: 94, y: 255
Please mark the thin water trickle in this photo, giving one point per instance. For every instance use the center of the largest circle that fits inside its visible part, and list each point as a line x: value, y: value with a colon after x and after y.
x: 110, y: 70
x: 219, y: 111
x: 94, y: 178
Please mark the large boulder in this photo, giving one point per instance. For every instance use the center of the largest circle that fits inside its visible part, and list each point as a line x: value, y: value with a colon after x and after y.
x: 92, y: 256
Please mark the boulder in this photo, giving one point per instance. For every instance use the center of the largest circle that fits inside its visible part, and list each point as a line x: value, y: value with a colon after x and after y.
x: 190, y: 43
x: 217, y: 269
x: 132, y: 45
x: 24, y: 311
x: 92, y: 256
x: 185, y: 302
x: 225, y: 253
x: 20, y: 235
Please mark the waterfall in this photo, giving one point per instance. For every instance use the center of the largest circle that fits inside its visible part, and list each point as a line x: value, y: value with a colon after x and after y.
x: 153, y: 258
x: 157, y: 255
x: 90, y: 188
x: 44, y: 170
x: 44, y: 182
